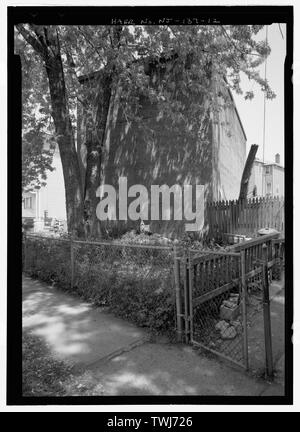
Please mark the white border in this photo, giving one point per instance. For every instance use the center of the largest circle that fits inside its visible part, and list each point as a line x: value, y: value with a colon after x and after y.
x: 3, y: 176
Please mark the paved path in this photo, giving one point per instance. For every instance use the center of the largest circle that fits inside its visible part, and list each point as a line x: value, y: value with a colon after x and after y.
x: 73, y: 329
x: 121, y: 357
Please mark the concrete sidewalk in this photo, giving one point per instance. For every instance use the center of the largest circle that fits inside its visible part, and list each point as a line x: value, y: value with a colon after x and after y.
x: 122, y: 358
x: 75, y: 330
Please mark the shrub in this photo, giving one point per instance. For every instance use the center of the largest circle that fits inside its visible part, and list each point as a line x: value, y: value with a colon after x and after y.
x: 49, y: 260
x: 135, y: 283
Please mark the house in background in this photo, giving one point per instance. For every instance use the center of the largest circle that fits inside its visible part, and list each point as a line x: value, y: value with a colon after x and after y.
x: 48, y: 202
x: 267, y: 179
x: 153, y: 153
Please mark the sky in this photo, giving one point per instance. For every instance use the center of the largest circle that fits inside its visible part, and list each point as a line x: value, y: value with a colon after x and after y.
x: 252, y: 112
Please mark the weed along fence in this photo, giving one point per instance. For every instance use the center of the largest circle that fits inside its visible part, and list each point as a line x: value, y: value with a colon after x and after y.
x: 220, y: 293
x: 210, y: 298
x: 244, y: 217
x: 135, y: 281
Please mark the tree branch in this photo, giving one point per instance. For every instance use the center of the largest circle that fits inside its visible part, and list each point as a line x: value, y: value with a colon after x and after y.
x: 89, y: 42
x: 34, y: 42
x: 230, y: 40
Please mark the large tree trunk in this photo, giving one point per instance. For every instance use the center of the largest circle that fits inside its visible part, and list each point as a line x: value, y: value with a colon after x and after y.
x: 46, y: 44
x: 66, y: 143
x: 97, y: 136
x: 81, y: 200
x: 95, y: 152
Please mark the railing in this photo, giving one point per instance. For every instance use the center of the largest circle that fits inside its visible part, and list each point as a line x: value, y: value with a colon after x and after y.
x: 157, y: 285
x: 135, y: 281
x: 206, y: 283
x: 255, y: 249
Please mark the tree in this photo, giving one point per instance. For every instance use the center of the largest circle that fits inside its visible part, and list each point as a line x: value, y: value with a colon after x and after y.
x: 36, y: 160
x: 247, y: 172
x: 38, y: 142
x: 191, y: 59
x: 45, y: 42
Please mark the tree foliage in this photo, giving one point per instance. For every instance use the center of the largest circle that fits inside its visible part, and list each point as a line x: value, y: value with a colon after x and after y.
x: 190, y: 60
x: 38, y: 140
x: 36, y: 160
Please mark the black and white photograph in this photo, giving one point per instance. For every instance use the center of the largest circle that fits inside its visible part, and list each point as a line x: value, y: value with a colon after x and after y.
x: 152, y: 203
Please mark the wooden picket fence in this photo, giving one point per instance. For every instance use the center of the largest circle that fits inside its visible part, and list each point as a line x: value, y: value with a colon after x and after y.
x: 245, y: 218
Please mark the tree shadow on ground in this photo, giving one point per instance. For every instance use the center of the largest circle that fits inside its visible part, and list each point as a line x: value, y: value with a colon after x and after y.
x: 73, y: 329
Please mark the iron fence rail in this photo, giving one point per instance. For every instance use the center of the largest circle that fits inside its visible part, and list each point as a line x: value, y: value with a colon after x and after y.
x: 214, y: 282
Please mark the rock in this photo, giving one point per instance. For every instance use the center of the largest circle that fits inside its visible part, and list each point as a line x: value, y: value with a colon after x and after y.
x: 221, y: 325
x: 228, y: 333
x: 236, y: 324
x: 229, y: 313
x: 229, y: 304
x: 234, y: 300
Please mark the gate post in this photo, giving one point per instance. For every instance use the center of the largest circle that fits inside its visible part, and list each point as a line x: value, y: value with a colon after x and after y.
x: 281, y: 259
x: 25, y: 253
x: 72, y: 260
x: 186, y: 297
x: 190, y: 297
x: 177, y: 296
x: 244, y: 310
x: 267, y: 315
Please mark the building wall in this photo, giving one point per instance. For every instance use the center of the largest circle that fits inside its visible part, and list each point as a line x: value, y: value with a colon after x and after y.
x: 278, y: 181
x: 229, y: 150
x: 152, y: 152
x: 268, y: 178
x: 257, y: 179
x: 52, y: 196
x: 29, y: 212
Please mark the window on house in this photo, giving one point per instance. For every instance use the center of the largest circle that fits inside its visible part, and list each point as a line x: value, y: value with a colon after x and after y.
x: 267, y: 170
x: 28, y: 203
x: 269, y: 188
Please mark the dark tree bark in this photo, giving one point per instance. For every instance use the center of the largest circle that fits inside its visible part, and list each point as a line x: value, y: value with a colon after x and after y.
x: 247, y: 172
x: 45, y: 42
x: 97, y: 122
x: 95, y: 152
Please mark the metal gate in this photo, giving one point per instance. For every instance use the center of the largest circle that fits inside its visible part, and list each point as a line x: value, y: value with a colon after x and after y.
x: 218, y: 295
x: 211, y: 283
